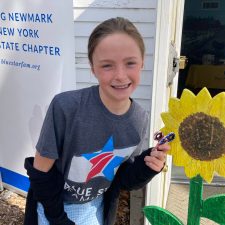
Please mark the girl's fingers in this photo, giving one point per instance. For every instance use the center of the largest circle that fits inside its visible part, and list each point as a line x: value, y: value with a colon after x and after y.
x: 164, y: 147
x: 158, y: 154
x: 154, y: 163
x: 154, y: 166
x: 157, y: 158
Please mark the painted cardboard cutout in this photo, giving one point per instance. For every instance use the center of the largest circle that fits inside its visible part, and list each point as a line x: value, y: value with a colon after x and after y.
x: 199, y: 125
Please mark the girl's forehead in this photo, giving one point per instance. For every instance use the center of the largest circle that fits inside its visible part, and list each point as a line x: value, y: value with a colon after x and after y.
x: 117, y: 48
x: 116, y: 40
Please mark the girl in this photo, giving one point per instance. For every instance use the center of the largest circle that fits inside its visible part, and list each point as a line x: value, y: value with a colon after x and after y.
x: 90, y: 144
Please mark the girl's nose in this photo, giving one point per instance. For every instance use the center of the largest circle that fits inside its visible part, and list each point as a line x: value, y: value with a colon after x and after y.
x: 120, y: 73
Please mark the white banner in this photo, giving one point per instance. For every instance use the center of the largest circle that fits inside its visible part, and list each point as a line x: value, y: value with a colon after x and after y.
x: 36, y: 62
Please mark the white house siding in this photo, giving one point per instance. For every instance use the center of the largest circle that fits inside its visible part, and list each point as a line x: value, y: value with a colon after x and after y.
x: 143, y: 13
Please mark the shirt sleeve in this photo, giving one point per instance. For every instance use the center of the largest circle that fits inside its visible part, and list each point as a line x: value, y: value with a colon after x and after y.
x: 51, y: 138
x: 135, y: 175
x: 143, y: 143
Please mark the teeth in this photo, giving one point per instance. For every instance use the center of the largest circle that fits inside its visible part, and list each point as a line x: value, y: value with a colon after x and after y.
x: 121, y: 86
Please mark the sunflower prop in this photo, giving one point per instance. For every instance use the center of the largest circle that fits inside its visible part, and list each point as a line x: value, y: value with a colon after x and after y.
x: 199, y: 125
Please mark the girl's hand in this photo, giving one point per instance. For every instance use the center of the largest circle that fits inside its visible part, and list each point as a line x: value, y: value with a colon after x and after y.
x: 157, y: 158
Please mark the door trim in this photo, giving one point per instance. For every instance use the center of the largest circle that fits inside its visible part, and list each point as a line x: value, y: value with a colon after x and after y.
x: 160, y: 94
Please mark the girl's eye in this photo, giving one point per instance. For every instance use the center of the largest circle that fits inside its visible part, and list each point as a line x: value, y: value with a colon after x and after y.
x: 131, y: 63
x: 106, y: 66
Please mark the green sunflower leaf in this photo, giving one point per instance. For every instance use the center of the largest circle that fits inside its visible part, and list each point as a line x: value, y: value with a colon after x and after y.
x: 213, y: 208
x: 160, y: 216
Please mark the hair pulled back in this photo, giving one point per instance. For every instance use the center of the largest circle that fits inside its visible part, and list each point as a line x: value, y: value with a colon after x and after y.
x: 111, y: 26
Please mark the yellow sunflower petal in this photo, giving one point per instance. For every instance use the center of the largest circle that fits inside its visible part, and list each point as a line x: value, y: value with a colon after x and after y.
x: 170, y: 122
x: 181, y: 158
x: 217, y: 107
x: 207, y: 170
x: 175, y: 109
x: 208, y: 177
x: 220, y: 166
x: 203, y: 100
x: 188, y: 102
x: 173, y: 149
x: 191, y: 169
x: 165, y: 130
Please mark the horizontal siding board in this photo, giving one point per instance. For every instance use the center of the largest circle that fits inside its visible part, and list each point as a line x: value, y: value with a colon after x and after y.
x: 83, y: 66
x: 143, y: 92
x: 146, y: 77
x: 116, y: 3
x: 149, y: 62
x: 82, y: 42
x: 97, y: 15
x: 84, y: 75
x: 83, y: 85
x: 84, y: 29
x: 81, y: 60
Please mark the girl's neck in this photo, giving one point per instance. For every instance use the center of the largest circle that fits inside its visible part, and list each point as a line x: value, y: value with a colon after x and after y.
x: 117, y: 108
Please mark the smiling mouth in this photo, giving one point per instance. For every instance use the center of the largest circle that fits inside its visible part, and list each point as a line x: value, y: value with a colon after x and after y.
x: 124, y: 86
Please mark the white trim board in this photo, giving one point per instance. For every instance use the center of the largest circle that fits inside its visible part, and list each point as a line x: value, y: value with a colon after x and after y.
x: 153, y: 195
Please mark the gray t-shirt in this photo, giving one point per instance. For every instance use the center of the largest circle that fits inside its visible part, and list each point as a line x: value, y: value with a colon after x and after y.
x: 89, y: 142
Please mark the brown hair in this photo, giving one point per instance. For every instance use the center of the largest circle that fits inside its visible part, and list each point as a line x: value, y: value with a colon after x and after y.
x: 111, y: 26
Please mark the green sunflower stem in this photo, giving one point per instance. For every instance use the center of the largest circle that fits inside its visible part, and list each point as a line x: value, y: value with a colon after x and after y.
x: 195, y: 201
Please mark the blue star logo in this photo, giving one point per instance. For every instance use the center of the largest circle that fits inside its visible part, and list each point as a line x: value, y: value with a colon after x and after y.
x: 104, y: 161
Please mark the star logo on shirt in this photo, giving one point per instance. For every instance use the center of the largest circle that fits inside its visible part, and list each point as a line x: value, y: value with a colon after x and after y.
x: 103, y: 162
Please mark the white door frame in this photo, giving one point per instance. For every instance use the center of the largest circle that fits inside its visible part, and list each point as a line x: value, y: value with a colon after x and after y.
x: 168, y: 28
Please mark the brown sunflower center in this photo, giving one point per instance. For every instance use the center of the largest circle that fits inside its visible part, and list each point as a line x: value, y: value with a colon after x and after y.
x: 202, y: 136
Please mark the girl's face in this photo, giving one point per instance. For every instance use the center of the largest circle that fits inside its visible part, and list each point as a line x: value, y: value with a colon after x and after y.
x: 117, y: 64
